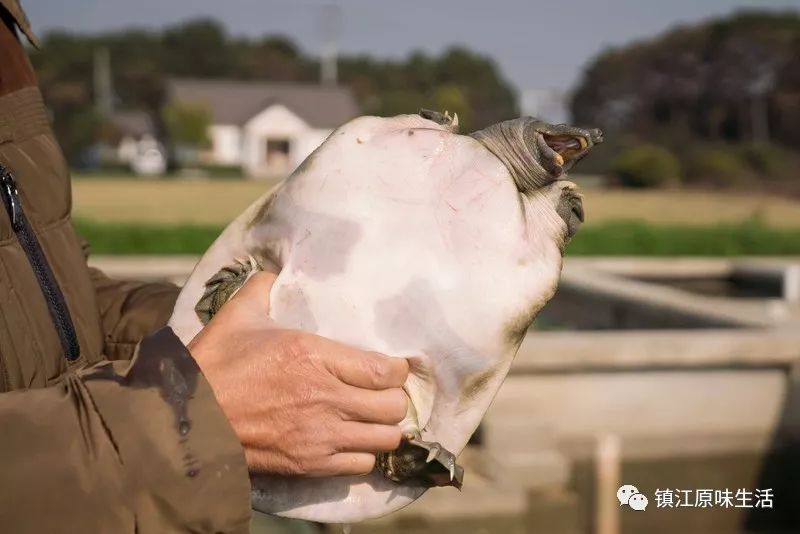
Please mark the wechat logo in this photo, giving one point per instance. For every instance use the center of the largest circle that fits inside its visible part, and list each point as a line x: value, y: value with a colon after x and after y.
x: 629, y: 495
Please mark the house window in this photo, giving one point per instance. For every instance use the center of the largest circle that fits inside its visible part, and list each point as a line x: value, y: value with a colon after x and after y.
x: 278, y: 155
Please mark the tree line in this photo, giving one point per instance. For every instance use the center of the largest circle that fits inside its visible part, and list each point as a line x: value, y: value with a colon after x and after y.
x: 735, y: 78
x: 723, y: 96
x: 143, y: 60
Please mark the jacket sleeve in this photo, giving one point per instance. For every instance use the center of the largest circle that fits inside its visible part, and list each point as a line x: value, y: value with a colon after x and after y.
x: 138, y: 446
x: 130, y: 310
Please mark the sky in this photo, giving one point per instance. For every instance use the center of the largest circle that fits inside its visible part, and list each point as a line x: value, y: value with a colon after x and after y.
x: 538, y: 45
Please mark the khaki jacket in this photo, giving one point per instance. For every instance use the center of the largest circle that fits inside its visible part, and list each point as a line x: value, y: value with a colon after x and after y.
x: 102, y: 429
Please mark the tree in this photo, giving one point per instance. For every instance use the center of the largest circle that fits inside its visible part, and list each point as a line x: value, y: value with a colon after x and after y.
x: 731, y: 79
x: 451, y: 98
x: 198, y: 48
x: 187, y: 124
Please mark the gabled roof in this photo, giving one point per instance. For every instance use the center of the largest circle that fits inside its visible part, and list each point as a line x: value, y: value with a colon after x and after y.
x: 236, y: 102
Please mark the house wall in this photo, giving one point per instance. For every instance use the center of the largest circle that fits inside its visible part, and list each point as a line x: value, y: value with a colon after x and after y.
x: 226, y: 144
x: 279, y: 123
x: 127, y: 149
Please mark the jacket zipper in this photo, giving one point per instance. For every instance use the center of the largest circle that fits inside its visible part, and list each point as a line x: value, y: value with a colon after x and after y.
x: 3, y: 375
x: 44, y: 275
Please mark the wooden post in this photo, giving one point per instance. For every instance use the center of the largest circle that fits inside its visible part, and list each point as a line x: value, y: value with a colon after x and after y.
x: 608, y: 472
x: 791, y: 284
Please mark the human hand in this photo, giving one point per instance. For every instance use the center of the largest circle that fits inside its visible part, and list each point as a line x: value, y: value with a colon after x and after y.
x: 299, y: 403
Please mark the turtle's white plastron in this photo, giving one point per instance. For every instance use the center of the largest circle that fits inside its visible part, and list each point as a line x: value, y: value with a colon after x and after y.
x: 401, y: 236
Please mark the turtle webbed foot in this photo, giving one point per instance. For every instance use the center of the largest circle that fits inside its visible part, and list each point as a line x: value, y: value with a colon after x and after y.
x: 423, y: 462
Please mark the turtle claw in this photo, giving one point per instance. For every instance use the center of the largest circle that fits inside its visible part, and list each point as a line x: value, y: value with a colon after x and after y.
x: 222, y: 286
x: 421, y: 462
x: 443, y: 469
x: 435, y: 448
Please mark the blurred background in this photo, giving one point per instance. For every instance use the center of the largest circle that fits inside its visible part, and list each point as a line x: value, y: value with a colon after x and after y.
x: 668, y: 358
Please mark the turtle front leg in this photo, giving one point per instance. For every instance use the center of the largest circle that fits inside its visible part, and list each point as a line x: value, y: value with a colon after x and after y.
x: 223, y: 285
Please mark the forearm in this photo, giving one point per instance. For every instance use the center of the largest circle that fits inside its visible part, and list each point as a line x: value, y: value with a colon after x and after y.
x: 122, y: 444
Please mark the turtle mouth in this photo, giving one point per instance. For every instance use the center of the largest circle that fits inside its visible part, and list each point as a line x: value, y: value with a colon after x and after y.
x: 560, y: 152
x: 567, y: 148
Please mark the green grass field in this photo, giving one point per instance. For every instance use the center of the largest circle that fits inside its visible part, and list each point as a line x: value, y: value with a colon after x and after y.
x: 218, y: 202
x: 621, y: 238
x: 125, y: 216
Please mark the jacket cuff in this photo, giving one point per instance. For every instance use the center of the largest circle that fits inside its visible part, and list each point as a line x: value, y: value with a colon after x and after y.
x: 179, y: 452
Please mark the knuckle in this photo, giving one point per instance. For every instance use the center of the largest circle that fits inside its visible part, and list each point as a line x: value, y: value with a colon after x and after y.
x: 297, y: 467
x: 325, y: 398
x: 378, y: 369
x: 326, y: 437
x: 341, y: 409
x: 304, y: 461
x: 296, y: 345
x: 393, y: 371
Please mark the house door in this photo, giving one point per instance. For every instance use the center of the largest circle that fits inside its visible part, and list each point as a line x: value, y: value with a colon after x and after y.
x: 277, y: 156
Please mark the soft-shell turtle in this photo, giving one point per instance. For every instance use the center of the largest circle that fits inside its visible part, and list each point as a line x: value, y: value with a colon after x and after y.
x: 401, y: 236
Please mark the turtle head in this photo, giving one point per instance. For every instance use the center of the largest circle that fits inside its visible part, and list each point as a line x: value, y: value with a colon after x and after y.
x: 537, y: 153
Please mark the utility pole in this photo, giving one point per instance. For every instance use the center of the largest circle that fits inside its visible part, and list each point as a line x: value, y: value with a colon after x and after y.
x: 759, y: 89
x: 329, y: 21
x: 103, y: 92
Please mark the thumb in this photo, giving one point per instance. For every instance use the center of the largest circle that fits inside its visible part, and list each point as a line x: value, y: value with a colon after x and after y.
x: 253, y: 297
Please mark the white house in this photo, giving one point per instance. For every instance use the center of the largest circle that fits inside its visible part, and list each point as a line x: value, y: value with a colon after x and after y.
x: 138, y: 145
x: 266, y: 128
